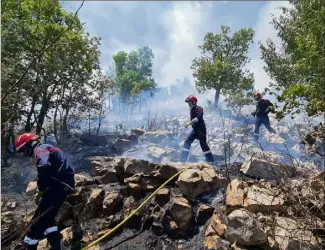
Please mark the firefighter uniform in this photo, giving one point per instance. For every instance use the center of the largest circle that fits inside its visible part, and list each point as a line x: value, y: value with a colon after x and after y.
x: 199, y: 133
x: 55, y: 180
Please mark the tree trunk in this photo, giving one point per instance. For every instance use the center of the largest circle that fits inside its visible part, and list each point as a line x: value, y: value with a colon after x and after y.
x: 216, y: 97
x: 29, y: 125
x: 64, y: 123
x: 42, y: 114
x: 55, y: 124
x: 99, y: 122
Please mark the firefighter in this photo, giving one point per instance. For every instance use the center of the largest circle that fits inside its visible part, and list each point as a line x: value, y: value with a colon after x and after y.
x: 198, y: 132
x: 263, y: 107
x: 55, y: 182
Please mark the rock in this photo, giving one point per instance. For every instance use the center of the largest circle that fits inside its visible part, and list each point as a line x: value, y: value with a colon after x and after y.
x: 31, y: 188
x: 138, y: 131
x: 244, y: 229
x: 194, y: 182
x: 263, y: 169
x: 67, y: 235
x: 94, y: 205
x: 81, y: 180
x: 291, y: 235
x: 43, y: 244
x: 149, y: 184
x: 215, y: 230
x: 111, y: 201
x: 162, y: 196
x: 109, y: 167
x: 78, y: 196
x: 158, y: 136
x: 182, y: 213
x: 203, y: 213
x: 134, y: 166
x: 134, y: 189
x: 123, y: 144
x: 157, y: 153
x: 253, y: 197
x: 164, y: 172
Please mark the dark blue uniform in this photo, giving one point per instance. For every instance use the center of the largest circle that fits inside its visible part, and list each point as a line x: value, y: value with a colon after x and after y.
x: 54, y: 174
x: 261, y: 114
x: 199, y: 133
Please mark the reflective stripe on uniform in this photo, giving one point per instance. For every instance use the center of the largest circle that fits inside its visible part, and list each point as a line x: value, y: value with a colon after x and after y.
x: 50, y: 230
x: 206, y: 152
x: 30, y: 241
x: 185, y: 149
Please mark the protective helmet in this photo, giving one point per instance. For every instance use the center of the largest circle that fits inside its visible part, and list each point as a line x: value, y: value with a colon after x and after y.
x: 257, y: 95
x: 191, y: 98
x: 24, y: 140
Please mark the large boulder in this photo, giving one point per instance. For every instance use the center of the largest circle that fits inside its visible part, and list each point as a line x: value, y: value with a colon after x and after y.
x: 244, y: 229
x: 122, y: 145
x: 107, y: 166
x: 263, y: 169
x: 255, y: 197
x: 288, y: 234
x: 194, y: 182
x: 182, y: 213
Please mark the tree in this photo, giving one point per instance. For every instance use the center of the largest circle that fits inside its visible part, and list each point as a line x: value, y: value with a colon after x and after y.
x: 134, y: 73
x: 221, y: 66
x: 298, y: 66
x: 59, y: 77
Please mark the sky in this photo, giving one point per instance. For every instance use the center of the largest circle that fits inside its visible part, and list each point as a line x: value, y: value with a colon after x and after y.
x: 174, y: 30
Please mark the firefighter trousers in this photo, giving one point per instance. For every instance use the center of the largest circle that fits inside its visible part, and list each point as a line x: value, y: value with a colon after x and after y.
x: 201, y: 136
x: 258, y: 122
x: 43, y: 222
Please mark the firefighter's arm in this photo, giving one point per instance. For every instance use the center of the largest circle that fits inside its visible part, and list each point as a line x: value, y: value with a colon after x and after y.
x: 197, y: 118
x: 270, y: 108
x: 44, y: 170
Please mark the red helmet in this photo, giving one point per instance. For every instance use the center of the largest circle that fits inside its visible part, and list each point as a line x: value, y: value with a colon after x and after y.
x: 191, y: 98
x: 24, y: 139
x: 257, y: 95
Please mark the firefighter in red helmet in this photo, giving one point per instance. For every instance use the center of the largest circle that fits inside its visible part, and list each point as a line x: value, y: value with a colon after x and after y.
x: 55, y: 182
x: 263, y: 108
x: 198, y: 132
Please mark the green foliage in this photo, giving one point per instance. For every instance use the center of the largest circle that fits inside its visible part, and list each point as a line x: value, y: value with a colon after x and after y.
x: 237, y: 100
x: 134, y: 73
x: 298, y: 67
x: 60, y: 78
x: 221, y: 66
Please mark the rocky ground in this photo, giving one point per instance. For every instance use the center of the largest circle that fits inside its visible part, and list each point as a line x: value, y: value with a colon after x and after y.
x: 255, y: 199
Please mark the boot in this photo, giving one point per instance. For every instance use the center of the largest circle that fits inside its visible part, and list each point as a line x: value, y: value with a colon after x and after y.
x: 55, y: 240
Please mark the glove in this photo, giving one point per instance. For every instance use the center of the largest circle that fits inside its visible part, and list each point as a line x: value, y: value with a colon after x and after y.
x: 188, y: 124
x: 38, y: 196
x: 267, y: 111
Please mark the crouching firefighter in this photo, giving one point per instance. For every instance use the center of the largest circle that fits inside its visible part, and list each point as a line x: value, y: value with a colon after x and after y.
x: 198, y: 132
x: 263, y: 108
x: 55, y: 182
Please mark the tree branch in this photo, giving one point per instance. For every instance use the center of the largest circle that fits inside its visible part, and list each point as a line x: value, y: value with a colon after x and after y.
x: 40, y: 54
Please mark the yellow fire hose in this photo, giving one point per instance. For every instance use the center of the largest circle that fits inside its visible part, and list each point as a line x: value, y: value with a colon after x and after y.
x: 135, y: 211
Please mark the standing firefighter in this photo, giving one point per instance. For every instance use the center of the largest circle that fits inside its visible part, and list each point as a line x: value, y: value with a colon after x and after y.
x: 198, y: 132
x: 263, y: 107
x: 55, y: 182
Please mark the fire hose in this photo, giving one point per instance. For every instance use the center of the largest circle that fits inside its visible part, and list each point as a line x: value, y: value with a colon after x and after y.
x: 136, y: 210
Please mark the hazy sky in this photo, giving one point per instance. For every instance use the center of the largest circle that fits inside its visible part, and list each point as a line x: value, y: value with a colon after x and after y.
x: 174, y: 30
